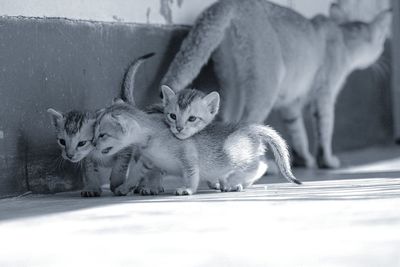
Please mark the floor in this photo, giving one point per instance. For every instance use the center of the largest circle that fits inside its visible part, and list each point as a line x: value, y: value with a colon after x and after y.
x: 347, y: 217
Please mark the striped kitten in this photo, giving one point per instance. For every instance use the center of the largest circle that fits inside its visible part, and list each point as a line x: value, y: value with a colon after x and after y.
x: 190, y: 111
x: 75, y: 134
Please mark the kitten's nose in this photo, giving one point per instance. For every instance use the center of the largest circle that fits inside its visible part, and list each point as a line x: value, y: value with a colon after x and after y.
x: 70, y: 156
x: 179, y: 128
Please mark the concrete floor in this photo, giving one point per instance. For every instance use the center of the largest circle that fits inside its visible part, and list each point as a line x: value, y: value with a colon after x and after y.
x: 347, y: 217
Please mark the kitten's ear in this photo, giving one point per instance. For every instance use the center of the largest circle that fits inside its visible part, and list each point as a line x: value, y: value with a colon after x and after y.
x: 337, y: 14
x: 168, y: 94
x: 212, y: 100
x: 118, y: 100
x: 56, y: 117
x: 382, y: 22
x: 119, y: 122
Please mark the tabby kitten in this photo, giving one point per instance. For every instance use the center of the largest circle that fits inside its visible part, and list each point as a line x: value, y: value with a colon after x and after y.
x: 75, y: 134
x: 190, y: 111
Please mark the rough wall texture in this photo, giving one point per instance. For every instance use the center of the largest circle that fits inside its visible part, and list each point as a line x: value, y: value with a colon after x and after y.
x: 80, y: 65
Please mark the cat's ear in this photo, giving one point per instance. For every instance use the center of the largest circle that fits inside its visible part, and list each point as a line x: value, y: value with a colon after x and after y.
x: 117, y: 100
x: 337, y: 14
x: 382, y: 22
x: 56, y: 117
x: 212, y: 100
x: 168, y: 94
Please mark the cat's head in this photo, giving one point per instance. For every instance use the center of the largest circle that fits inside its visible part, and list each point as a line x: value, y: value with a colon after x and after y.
x: 364, y: 41
x: 189, y: 111
x: 114, y: 127
x: 74, y: 131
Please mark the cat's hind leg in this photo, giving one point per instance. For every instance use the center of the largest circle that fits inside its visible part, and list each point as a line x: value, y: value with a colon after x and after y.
x: 293, y: 119
x: 239, y: 180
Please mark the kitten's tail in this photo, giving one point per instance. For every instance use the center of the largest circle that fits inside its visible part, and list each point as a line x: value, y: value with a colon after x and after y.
x: 129, y: 80
x: 279, y: 149
x: 196, y: 49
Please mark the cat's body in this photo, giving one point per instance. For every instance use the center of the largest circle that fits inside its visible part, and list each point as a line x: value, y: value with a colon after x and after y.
x: 75, y: 133
x: 270, y: 57
x: 217, y: 153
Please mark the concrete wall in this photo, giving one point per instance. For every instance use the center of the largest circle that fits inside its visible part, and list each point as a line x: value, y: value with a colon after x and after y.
x: 69, y: 64
x: 138, y: 11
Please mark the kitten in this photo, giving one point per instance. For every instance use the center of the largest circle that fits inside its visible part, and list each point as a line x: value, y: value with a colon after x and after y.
x: 266, y: 57
x: 219, y: 152
x: 190, y: 111
x: 75, y: 132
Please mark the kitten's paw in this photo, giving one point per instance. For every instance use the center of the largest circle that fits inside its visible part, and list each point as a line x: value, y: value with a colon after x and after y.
x: 138, y: 189
x: 122, y: 190
x: 91, y: 192
x: 183, y: 192
x: 225, y: 188
x: 228, y: 188
x: 216, y: 185
x: 145, y: 191
x: 238, y: 188
x: 331, y: 162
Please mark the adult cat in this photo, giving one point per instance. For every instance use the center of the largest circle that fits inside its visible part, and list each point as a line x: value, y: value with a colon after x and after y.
x: 270, y: 57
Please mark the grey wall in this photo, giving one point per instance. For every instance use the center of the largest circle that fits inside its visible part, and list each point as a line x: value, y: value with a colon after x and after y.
x: 80, y: 65
x: 66, y: 65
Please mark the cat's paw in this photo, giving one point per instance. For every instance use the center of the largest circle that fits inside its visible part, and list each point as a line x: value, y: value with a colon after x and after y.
x: 91, y: 192
x: 214, y: 185
x: 115, y: 187
x: 183, y: 191
x: 122, y: 190
x: 238, y: 188
x: 229, y: 188
x: 308, y: 162
x: 147, y: 191
x: 331, y: 162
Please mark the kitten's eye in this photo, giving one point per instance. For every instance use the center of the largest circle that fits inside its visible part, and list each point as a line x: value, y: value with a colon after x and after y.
x: 61, y: 142
x: 192, y: 118
x: 82, y: 143
x: 102, y: 135
x: 172, y: 116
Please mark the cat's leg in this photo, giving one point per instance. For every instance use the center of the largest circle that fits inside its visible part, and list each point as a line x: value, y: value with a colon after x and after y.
x: 152, y: 184
x: 91, y: 179
x: 216, y: 185
x: 190, y: 171
x: 120, y: 170
x: 293, y: 119
x: 325, y: 118
x: 239, y: 180
x: 137, y: 177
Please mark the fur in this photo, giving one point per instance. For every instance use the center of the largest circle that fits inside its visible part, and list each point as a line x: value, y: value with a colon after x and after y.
x: 189, y: 111
x: 75, y: 133
x: 210, y: 155
x: 270, y: 57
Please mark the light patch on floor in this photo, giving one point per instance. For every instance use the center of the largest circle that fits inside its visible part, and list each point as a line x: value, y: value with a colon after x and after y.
x: 337, y: 218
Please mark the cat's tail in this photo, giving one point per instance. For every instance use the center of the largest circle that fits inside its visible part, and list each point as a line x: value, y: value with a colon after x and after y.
x: 129, y: 80
x: 196, y: 49
x: 279, y: 149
